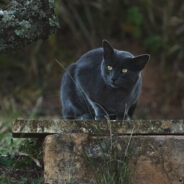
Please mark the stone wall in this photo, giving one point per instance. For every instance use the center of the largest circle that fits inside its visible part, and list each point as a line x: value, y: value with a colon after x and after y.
x: 153, y: 160
x: 151, y: 152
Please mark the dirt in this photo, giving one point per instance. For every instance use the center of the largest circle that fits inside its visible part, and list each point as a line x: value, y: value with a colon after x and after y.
x: 153, y: 100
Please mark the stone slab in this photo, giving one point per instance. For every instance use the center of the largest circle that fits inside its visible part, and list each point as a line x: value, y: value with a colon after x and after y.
x: 41, y: 128
x: 153, y: 159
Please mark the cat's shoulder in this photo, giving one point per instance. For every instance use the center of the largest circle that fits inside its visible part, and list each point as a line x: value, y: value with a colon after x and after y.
x: 71, y: 69
x: 92, y: 55
x: 93, y: 52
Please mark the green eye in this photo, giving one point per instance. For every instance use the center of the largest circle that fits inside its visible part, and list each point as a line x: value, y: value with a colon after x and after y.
x: 109, y: 67
x: 124, y: 70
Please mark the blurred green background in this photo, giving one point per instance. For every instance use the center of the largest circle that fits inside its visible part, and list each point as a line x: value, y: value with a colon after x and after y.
x: 30, y: 77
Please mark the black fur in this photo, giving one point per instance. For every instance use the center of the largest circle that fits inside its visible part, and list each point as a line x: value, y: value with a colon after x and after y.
x: 90, y: 91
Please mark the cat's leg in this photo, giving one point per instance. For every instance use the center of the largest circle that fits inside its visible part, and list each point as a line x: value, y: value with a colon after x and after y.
x: 86, y: 116
x: 76, y: 113
x: 74, y: 104
x: 122, y: 116
x: 125, y: 115
x: 131, y: 110
x: 101, y: 117
x: 68, y: 115
x: 75, y: 109
x: 100, y: 114
x: 69, y: 111
x: 119, y: 117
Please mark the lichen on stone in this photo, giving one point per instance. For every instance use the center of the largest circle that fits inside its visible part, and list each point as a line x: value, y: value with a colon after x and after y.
x: 26, y: 21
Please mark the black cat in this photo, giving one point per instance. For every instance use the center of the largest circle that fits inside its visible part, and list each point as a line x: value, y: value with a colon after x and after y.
x: 103, y: 83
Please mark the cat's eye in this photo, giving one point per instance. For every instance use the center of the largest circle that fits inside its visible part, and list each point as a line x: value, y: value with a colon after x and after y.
x: 124, y: 70
x: 109, y: 67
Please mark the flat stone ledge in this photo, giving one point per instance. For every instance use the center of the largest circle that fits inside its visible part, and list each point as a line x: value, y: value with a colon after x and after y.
x: 41, y: 128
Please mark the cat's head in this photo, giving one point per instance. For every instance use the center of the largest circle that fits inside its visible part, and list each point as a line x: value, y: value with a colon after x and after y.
x: 120, y: 69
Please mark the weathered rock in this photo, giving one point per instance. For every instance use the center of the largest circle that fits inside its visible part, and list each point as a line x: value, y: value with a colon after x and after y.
x: 152, y: 150
x: 62, y: 159
x: 37, y: 128
x: 161, y: 162
x: 154, y: 159
x: 23, y: 22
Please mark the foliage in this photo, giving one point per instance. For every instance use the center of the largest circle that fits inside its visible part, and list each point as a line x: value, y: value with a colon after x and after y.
x: 111, y: 166
x: 158, y: 24
x: 4, y: 3
x: 21, y: 181
x: 18, y: 155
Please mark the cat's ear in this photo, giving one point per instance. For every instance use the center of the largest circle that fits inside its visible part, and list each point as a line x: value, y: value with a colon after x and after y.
x: 140, y: 61
x: 108, y: 50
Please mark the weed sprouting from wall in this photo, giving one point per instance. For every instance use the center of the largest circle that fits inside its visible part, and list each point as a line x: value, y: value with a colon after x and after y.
x: 108, y: 161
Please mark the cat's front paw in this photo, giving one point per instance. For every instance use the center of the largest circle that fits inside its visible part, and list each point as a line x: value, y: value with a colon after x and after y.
x: 123, y: 117
x: 86, y: 116
x: 100, y: 117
